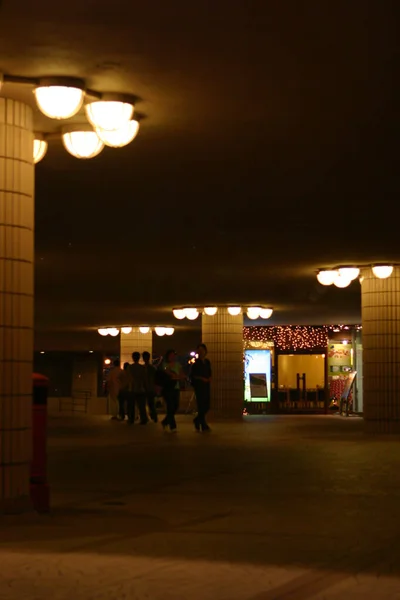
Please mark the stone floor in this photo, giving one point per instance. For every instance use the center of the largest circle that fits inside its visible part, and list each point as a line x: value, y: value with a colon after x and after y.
x: 273, y: 508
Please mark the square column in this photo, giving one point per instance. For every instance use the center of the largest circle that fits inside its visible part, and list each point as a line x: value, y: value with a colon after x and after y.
x: 381, y: 351
x: 134, y: 342
x: 16, y: 303
x: 223, y: 336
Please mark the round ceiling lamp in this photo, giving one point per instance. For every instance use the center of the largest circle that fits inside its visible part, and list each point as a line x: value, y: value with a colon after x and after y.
x: 169, y: 330
x: 327, y: 276
x: 160, y: 331
x: 340, y: 281
x: 126, y: 330
x: 113, y: 331
x: 59, y: 97
x: 179, y: 313
x: 117, y: 138
x: 382, y: 271
x: 102, y: 331
x: 210, y: 311
x: 234, y: 311
x: 39, y: 147
x: 191, y: 313
x: 81, y: 141
x: 266, y: 313
x: 112, y: 111
x: 349, y: 272
x: 253, y: 312
x: 144, y: 329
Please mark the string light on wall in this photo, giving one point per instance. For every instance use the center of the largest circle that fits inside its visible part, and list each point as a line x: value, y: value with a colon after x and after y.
x: 289, y: 337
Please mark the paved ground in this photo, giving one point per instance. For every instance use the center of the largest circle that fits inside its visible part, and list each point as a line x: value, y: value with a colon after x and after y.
x: 274, y: 508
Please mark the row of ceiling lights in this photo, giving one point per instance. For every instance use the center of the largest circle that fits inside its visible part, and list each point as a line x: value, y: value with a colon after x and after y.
x: 253, y: 312
x: 343, y: 276
x: 114, y: 331
x: 110, y: 116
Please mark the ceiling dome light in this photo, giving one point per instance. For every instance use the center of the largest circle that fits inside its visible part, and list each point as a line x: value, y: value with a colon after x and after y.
x: 253, y: 312
x: 349, y: 272
x: 341, y: 282
x: 266, y: 313
x: 382, y: 271
x: 327, y: 276
x: 234, y: 311
x: 81, y: 141
x: 160, y: 331
x: 113, y: 331
x: 39, y: 147
x: 126, y: 330
x: 191, y: 313
x: 102, y: 331
x: 144, y: 329
x: 179, y: 313
x: 210, y: 311
x: 111, y: 112
x: 117, y: 138
x: 59, y: 98
x: 169, y: 331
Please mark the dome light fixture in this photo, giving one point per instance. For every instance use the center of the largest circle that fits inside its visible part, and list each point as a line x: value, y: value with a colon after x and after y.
x: 266, y: 313
x: 191, y: 313
x: 40, y: 146
x: 126, y: 330
x: 160, y: 331
x: 59, y: 97
x: 169, y: 330
x: 234, y: 311
x: 113, y: 331
x: 81, y: 141
x: 254, y: 312
x: 327, y: 276
x: 103, y: 331
x: 210, y: 311
x: 349, y: 272
x: 340, y: 281
x: 111, y: 112
x: 382, y: 271
x: 179, y: 313
x: 144, y: 329
x: 117, y: 138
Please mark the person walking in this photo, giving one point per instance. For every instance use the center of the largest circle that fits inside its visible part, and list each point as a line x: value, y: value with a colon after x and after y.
x: 150, y: 386
x: 171, y: 388
x: 137, y: 391
x: 114, y: 387
x: 124, y: 392
x: 201, y: 379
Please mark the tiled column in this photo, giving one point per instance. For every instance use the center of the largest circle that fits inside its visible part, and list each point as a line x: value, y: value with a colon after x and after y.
x: 223, y: 336
x: 134, y: 342
x: 381, y: 351
x: 16, y: 303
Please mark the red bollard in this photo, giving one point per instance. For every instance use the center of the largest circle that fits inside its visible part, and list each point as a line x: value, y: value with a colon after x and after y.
x: 40, y: 491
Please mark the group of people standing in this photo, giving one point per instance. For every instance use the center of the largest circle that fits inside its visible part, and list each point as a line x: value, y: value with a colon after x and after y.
x: 136, y: 386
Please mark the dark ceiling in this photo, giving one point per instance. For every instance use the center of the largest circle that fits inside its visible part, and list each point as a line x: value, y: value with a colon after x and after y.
x: 269, y: 148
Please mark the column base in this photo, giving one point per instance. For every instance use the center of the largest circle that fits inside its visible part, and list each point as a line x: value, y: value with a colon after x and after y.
x: 382, y: 426
x: 16, y: 506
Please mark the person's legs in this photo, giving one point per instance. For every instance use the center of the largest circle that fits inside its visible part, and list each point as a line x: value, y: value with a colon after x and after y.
x: 131, y: 407
x: 205, y: 408
x: 151, y: 403
x: 174, y: 408
x: 121, y: 402
x: 169, y: 403
x: 141, y: 404
x: 113, y: 405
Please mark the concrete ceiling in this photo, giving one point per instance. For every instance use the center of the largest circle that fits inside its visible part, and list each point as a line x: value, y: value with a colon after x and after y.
x: 269, y: 149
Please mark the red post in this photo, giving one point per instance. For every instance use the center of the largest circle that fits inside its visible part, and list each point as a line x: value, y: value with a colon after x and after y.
x: 40, y: 491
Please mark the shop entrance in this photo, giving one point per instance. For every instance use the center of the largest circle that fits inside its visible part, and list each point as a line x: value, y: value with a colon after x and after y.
x: 301, y: 382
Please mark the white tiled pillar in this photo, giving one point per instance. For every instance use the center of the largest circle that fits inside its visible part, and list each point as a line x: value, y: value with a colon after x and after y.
x: 16, y: 303
x: 134, y: 342
x: 381, y: 351
x: 223, y: 336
